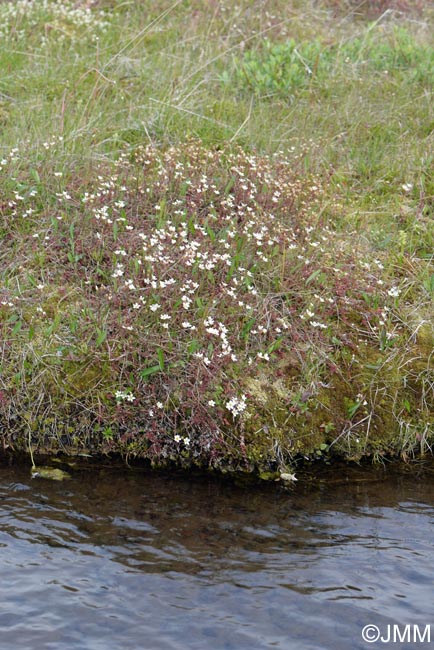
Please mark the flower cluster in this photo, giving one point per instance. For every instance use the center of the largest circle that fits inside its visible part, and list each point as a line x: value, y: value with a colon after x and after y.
x: 66, y: 20
x: 237, y: 405
x: 122, y: 396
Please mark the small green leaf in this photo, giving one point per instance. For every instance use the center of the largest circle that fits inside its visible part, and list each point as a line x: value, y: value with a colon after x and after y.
x: 274, y: 346
x: 160, y: 355
x: 147, y: 372
x: 34, y: 174
x: 108, y: 433
x: 102, y: 335
x: 230, y: 185
x: 193, y: 346
x: 247, y: 327
x: 313, y: 275
x: 17, y: 327
x: 352, y: 408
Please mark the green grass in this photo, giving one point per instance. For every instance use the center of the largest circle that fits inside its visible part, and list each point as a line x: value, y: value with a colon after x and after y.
x: 314, y: 123
x: 285, y: 69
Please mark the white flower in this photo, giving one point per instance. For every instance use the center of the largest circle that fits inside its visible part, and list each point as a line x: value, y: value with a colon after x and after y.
x: 177, y: 438
x: 124, y: 396
x: 211, y: 402
x: 118, y: 272
x: 315, y: 323
x: 236, y: 405
x: 394, y: 292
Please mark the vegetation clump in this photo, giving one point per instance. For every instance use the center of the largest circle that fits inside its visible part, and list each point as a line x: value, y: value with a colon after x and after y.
x: 283, y: 68
x: 197, y: 304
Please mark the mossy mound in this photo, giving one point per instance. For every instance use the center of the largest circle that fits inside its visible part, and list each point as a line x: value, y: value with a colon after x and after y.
x: 204, y: 307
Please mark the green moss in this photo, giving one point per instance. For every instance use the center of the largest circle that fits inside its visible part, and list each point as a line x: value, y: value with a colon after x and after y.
x: 376, y: 406
x: 85, y: 376
x: 425, y: 338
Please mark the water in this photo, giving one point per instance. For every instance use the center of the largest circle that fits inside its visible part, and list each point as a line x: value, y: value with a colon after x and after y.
x: 111, y: 561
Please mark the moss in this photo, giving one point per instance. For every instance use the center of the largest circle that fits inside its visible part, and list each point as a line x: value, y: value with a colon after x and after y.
x: 425, y: 338
x: 82, y: 376
x: 374, y: 406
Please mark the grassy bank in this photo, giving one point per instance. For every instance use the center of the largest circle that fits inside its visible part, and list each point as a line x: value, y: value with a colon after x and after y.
x: 217, y: 240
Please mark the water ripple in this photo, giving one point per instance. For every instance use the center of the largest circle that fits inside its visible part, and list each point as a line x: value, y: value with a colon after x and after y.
x: 110, y: 560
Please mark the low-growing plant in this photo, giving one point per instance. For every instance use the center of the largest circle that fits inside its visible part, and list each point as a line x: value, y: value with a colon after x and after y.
x: 148, y: 338
x: 284, y: 68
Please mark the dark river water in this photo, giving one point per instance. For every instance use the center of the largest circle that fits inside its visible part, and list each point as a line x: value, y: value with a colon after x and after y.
x: 110, y: 560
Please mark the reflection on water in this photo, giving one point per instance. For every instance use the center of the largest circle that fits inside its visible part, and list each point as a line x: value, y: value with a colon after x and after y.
x: 112, y: 560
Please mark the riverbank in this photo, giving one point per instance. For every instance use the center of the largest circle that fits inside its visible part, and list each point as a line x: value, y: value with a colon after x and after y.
x: 223, y: 301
